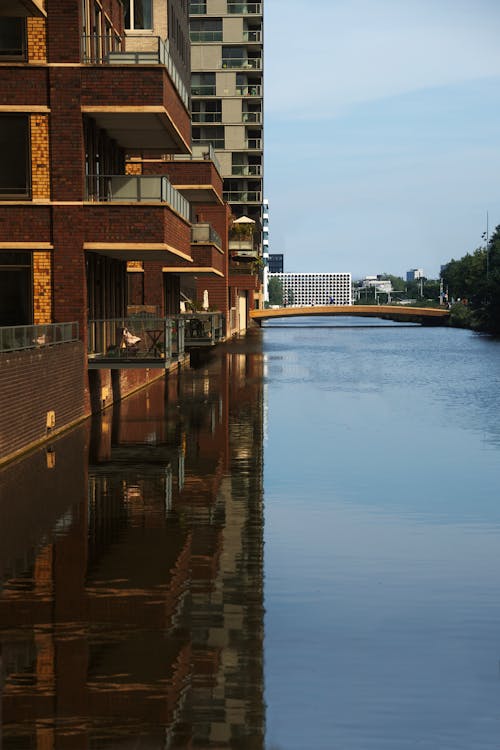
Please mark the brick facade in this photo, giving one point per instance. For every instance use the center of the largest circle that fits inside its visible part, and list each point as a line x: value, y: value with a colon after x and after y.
x: 37, y: 40
x: 35, y: 382
x: 40, y: 168
x: 42, y: 287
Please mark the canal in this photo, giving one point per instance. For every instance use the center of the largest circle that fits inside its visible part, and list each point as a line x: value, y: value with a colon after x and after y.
x: 293, y: 545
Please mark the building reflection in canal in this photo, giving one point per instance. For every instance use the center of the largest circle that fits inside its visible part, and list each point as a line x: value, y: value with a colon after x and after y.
x: 131, y: 609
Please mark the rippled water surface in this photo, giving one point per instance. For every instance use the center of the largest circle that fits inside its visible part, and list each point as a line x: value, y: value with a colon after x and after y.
x: 382, y: 478
x: 294, y: 545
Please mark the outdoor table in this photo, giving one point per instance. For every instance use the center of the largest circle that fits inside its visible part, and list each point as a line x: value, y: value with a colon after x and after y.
x: 154, y: 335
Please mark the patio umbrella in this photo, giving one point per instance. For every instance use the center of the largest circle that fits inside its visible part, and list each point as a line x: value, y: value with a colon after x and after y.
x: 205, y: 299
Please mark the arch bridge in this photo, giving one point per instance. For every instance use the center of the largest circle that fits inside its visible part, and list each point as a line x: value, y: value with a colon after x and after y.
x: 398, y: 313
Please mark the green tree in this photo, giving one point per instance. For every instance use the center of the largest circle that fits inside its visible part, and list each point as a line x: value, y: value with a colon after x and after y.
x: 275, y: 288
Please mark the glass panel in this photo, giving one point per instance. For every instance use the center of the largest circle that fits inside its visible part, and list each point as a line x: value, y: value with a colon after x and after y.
x: 12, y: 38
x: 14, y: 151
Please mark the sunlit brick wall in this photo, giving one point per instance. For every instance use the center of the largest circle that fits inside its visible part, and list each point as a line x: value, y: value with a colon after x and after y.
x: 42, y: 287
x: 40, y: 174
x: 37, y: 40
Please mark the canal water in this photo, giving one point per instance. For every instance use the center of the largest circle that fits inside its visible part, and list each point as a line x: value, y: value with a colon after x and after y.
x: 293, y: 545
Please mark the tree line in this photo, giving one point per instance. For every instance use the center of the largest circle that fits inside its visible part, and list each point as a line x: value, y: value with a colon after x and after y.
x: 473, y: 282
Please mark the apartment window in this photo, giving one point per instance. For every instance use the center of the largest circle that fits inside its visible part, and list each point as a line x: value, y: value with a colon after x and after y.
x: 203, y: 84
x: 15, y: 180
x: 16, y: 297
x: 138, y: 14
x: 12, y: 39
x: 206, y: 30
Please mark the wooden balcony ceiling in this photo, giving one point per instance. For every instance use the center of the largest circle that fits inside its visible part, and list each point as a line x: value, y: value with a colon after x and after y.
x: 138, y: 127
x: 199, y: 193
x: 18, y: 8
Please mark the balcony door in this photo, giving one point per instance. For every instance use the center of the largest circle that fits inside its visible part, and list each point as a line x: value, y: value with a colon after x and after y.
x: 16, y: 289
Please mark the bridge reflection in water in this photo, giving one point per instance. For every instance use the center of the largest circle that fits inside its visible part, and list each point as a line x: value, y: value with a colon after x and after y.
x: 398, y: 313
x: 131, y: 609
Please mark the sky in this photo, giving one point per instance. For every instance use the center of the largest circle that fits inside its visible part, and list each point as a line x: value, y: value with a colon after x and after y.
x: 382, y: 132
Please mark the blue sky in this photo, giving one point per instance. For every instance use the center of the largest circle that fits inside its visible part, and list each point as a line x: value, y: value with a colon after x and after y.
x: 382, y: 131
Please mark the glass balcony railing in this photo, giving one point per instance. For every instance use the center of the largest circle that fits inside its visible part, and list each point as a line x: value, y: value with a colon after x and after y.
x: 197, y: 9
x: 207, y: 89
x: 203, y: 234
x: 200, y: 152
x: 254, y: 143
x: 243, y: 196
x: 253, y: 63
x: 133, y: 50
x: 15, y: 338
x: 210, y: 117
x: 246, y: 170
x: 247, y: 9
x: 136, y: 189
x: 249, y: 90
x: 214, y: 142
x: 251, y: 117
x: 252, y: 36
x: 205, y: 36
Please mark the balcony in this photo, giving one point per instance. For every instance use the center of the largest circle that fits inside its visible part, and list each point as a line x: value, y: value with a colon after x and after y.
x: 214, y: 142
x: 207, y: 89
x: 246, y: 170
x: 135, y: 217
x: 245, y: 9
x: 244, y: 63
x: 254, y: 144
x: 18, y: 338
x: 252, y: 36
x: 205, y: 36
x: 205, y: 234
x: 249, y: 90
x: 133, y: 90
x: 199, y: 153
x: 21, y: 8
x: 136, y: 189
x: 203, y: 329
x: 135, y: 342
x: 252, y: 117
x: 207, y: 117
x: 243, y: 196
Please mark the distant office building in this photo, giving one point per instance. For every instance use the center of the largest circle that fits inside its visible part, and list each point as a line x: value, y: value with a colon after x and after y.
x: 377, y: 282
x: 265, y: 248
x: 415, y: 274
x: 276, y: 264
x: 316, y: 288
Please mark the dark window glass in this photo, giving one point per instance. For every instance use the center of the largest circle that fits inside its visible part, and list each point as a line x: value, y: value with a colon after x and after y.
x: 14, y: 157
x: 16, y: 297
x: 12, y: 38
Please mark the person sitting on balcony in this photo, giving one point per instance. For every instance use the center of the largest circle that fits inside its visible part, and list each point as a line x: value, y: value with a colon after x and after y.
x: 129, y: 340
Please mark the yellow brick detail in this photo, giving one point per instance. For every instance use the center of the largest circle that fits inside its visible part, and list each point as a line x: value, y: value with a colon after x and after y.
x: 37, y: 40
x: 40, y: 175
x: 133, y: 167
x: 42, y: 288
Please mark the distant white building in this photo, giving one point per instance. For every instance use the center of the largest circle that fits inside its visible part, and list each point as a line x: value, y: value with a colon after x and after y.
x: 265, y: 248
x: 316, y: 288
x: 383, y: 285
x: 415, y: 274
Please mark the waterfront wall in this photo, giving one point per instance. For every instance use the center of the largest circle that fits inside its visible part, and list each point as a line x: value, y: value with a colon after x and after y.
x: 48, y: 390
x: 44, y: 391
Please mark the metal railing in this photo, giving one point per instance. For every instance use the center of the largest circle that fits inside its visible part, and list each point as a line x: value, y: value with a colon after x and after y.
x: 133, y: 50
x: 250, y: 35
x: 251, y: 117
x: 202, y: 329
x: 243, y: 196
x: 200, y: 152
x: 136, y: 189
x: 16, y: 338
x: 205, y: 36
x: 204, y: 233
x: 205, y: 89
x: 215, y: 142
x: 136, y: 338
x: 249, y: 90
x: 246, y: 170
x: 197, y: 9
x: 206, y: 117
x: 254, y: 63
x: 245, y: 8
x: 253, y: 143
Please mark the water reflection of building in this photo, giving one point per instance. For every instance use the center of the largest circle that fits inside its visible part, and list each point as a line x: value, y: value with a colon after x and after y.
x: 132, y: 602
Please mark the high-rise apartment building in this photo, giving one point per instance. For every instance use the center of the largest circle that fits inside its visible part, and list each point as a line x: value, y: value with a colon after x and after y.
x: 227, y: 95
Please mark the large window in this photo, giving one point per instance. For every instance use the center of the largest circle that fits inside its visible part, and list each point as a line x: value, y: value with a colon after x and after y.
x: 15, y: 172
x: 138, y: 14
x: 16, y: 298
x: 12, y: 39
